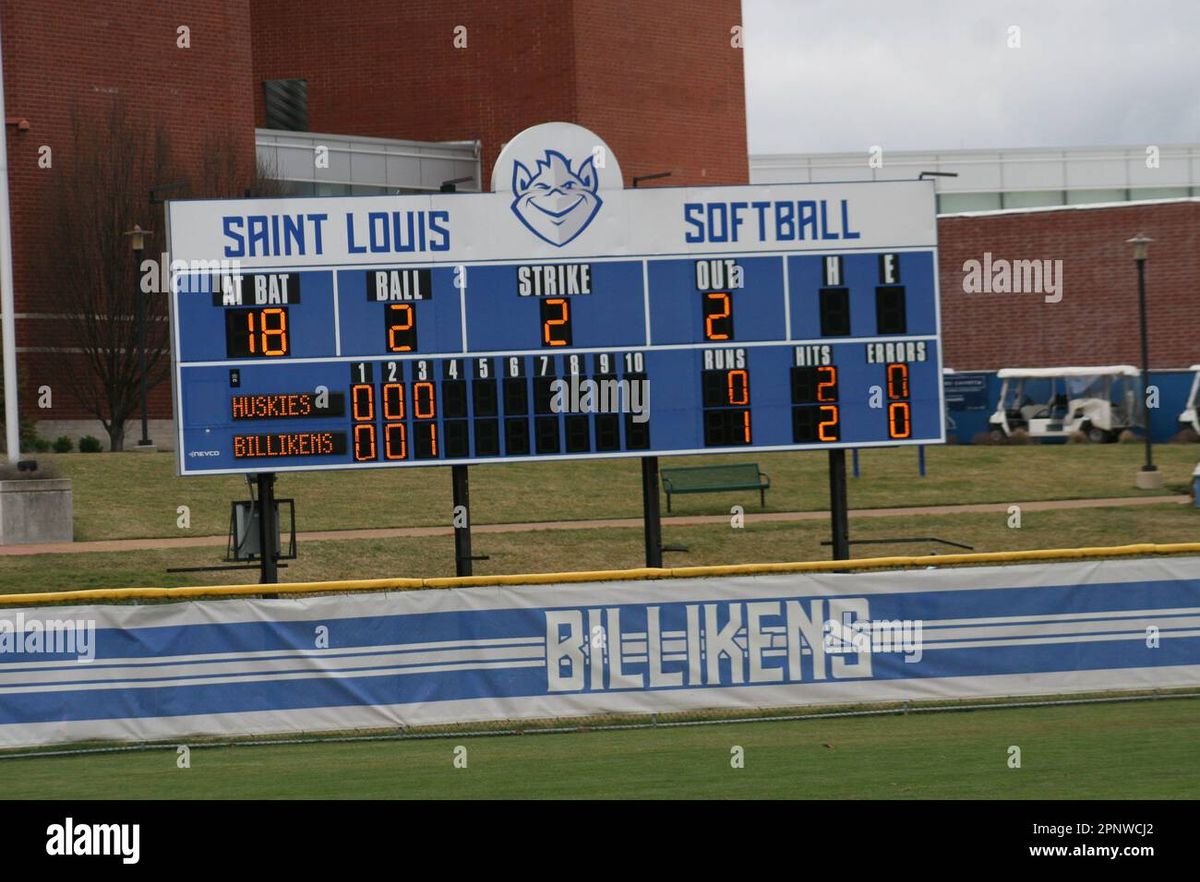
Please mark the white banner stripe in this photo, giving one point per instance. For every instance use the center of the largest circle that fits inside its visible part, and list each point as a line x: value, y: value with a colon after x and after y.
x: 1065, y: 617
x: 333, y: 652
x: 314, y: 674
x: 200, y: 674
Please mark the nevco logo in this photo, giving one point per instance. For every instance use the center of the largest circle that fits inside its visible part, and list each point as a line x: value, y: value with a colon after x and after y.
x: 204, y: 453
x: 87, y: 840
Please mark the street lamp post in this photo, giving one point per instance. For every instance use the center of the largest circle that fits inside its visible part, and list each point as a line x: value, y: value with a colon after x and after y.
x: 1141, y: 244
x: 137, y: 238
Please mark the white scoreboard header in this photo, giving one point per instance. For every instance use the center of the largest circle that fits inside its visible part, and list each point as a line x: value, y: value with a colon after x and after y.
x: 557, y: 195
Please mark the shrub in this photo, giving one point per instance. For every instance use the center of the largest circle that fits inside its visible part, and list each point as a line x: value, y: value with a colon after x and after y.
x: 90, y: 444
x: 63, y: 444
x: 41, y: 445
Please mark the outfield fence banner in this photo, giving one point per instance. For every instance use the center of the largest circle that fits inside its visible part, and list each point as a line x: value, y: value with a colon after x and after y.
x: 313, y: 663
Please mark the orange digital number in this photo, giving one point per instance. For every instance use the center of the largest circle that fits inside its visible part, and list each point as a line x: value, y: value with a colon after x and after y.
x: 827, y: 388
x: 393, y: 401
x: 549, y: 335
x: 746, y: 425
x: 279, y: 332
x: 362, y: 402
x: 401, y: 320
x: 899, y: 419
x: 725, y: 310
x: 395, y: 441
x: 897, y: 381
x: 364, y: 442
x: 827, y: 429
x: 734, y: 379
x: 424, y: 404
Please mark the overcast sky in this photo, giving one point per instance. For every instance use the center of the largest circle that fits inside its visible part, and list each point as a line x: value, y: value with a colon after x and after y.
x: 843, y: 75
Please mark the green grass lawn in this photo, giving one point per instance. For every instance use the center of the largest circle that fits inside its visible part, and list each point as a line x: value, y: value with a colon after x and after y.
x: 1133, y: 750
x: 613, y: 548
x: 125, y: 495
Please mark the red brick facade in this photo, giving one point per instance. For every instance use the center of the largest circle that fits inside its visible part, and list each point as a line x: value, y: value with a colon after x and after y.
x: 660, y: 82
x: 62, y: 57
x: 1096, y: 322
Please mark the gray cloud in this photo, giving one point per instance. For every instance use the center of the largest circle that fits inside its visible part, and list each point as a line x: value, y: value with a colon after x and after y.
x: 842, y: 75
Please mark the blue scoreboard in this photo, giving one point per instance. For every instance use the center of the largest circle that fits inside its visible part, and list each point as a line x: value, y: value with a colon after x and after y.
x: 555, y: 318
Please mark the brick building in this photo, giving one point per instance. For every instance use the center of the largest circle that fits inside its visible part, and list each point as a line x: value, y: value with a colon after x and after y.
x: 64, y: 60
x: 1096, y: 320
x: 660, y: 82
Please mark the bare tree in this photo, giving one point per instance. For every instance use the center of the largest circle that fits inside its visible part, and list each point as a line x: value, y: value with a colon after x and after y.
x: 99, y: 193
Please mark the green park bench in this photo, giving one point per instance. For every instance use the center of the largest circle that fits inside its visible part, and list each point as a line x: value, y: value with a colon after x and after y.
x: 716, y: 479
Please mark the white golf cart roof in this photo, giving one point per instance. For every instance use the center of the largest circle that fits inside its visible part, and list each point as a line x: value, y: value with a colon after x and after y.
x: 1115, y: 370
x: 1195, y: 367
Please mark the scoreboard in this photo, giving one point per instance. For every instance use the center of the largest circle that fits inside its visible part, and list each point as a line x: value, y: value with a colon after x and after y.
x: 558, y: 317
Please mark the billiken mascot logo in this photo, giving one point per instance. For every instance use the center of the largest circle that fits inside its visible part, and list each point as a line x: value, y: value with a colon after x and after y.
x: 554, y: 202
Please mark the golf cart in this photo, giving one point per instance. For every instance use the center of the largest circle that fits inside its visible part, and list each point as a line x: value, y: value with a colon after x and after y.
x: 1190, y: 418
x: 1100, y: 402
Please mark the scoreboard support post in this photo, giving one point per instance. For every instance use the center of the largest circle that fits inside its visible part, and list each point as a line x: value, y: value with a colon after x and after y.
x: 651, y: 512
x: 838, y: 515
x: 266, y: 529
x: 463, y: 565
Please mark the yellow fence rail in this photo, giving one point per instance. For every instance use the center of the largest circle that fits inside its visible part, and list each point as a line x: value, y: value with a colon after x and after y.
x: 821, y: 566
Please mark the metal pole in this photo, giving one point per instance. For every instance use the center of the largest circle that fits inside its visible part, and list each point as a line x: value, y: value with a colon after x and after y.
x: 8, y: 319
x: 1141, y: 271
x: 140, y: 311
x: 838, y: 514
x: 854, y: 459
x: 462, y: 535
x: 266, y: 529
x: 651, y: 512
x: 921, y: 459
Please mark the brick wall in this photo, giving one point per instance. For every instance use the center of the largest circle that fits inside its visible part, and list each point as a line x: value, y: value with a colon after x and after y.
x: 62, y: 56
x: 393, y: 70
x: 659, y: 82
x: 662, y: 84
x: 1096, y: 322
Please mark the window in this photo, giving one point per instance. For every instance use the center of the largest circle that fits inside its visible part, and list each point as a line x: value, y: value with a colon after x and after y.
x: 286, y: 104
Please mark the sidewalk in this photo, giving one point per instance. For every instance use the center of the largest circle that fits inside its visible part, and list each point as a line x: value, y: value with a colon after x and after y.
x: 627, y: 523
